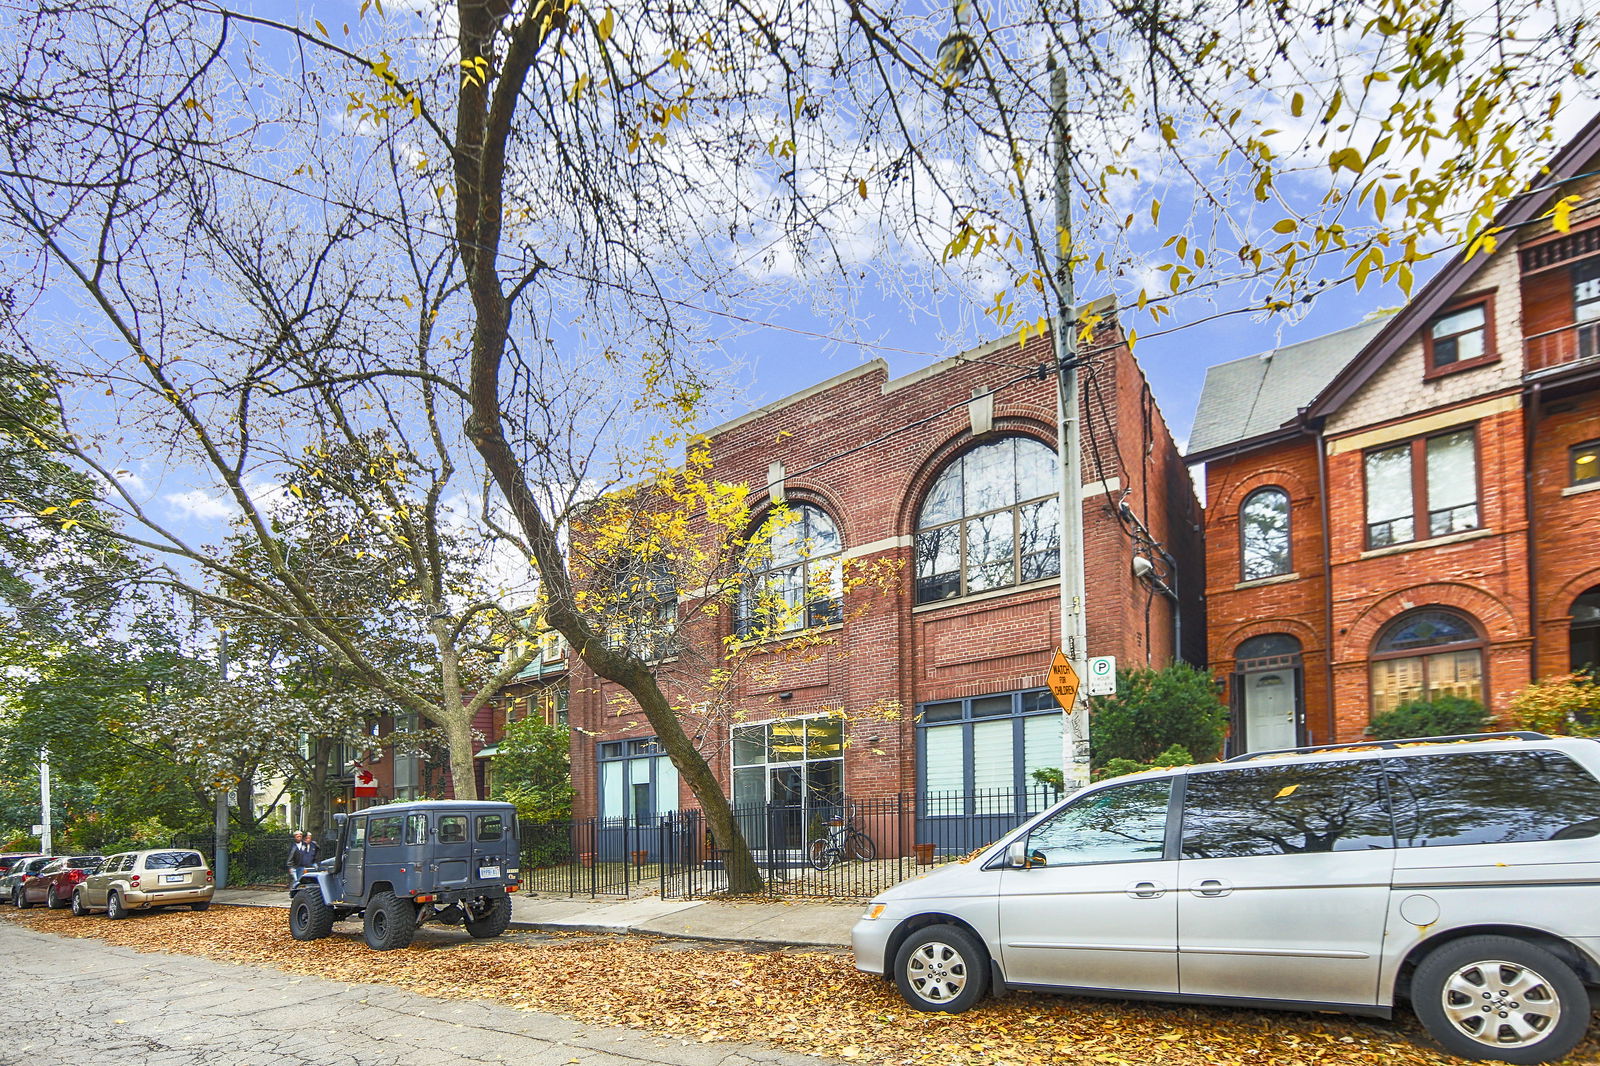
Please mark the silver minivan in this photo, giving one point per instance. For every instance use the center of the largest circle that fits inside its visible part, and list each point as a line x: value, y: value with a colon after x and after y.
x: 1461, y: 875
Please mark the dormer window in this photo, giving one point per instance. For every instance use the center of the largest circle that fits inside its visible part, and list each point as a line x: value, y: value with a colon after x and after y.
x: 1460, y: 338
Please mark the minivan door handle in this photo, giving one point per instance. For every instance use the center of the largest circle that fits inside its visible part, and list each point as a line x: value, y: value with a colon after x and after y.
x: 1211, y: 886
x: 1147, y: 890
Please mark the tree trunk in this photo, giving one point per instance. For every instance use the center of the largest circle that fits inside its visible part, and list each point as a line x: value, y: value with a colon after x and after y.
x: 463, y: 776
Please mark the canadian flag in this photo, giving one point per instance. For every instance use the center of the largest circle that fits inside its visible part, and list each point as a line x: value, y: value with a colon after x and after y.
x: 366, y: 784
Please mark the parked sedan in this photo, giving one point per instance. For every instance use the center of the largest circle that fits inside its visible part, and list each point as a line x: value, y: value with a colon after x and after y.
x: 53, y: 885
x: 11, y: 858
x: 11, y: 883
x: 139, y: 880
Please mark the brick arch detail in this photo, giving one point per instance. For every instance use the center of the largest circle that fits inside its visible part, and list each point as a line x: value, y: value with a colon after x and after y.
x: 1007, y: 425
x: 1264, y: 479
x: 1306, y: 634
x: 1497, y: 621
x: 804, y: 492
x: 1558, y: 605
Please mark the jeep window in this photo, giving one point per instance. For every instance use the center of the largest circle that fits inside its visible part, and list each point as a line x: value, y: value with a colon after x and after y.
x: 417, y: 829
x: 1499, y: 798
x: 358, y: 832
x: 384, y: 831
x: 452, y: 828
x: 1285, y: 810
x: 490, y: 827
x: 1127, y: 823
x: 172, y: 860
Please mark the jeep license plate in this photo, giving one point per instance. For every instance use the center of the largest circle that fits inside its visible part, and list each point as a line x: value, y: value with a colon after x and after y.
x: 174, y: 879
x: 488, y: 871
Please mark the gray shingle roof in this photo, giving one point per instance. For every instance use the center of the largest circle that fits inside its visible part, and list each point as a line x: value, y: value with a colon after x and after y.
x: 1247, y: 397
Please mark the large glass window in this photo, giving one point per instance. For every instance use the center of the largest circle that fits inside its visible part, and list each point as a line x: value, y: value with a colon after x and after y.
x: 1125, y: 823
x: 1585, y: 633
x: 990, y: 520
x: 1285, y: 810
x: 1264, y: 534
x: 1424, y: 655
x: 794, y: 763
x: 979, y: 755
x: 1428, y: 484
x: 795, y: 578
x: 637, y: 780
x: 1499, y: 798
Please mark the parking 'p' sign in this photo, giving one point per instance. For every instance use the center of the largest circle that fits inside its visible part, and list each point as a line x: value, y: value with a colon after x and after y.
x: 1103, y: 675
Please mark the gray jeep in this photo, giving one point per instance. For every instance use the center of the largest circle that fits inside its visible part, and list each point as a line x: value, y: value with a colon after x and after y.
x: 402, y: 864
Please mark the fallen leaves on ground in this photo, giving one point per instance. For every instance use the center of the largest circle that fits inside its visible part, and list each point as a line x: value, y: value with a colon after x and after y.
x: 809, y: 1002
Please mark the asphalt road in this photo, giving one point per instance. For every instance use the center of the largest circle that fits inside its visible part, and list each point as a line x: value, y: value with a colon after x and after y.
x: 62, y: 995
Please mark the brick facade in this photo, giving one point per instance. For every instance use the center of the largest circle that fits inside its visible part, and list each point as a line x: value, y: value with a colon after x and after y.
x: 865, y: 449
x: 1515, y: 574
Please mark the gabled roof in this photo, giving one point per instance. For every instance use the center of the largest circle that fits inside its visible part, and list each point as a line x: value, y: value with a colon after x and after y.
x: 1443, y: 286
x: 1253, y: 399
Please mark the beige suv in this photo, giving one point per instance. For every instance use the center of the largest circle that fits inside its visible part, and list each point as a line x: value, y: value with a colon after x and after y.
x: 139, y: 880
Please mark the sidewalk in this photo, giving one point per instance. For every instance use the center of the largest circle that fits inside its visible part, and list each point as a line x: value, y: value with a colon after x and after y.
x: 798, y: 923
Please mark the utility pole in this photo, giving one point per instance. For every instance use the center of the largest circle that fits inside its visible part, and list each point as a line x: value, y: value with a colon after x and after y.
x: 44, y: 800
x: 1074, y: 640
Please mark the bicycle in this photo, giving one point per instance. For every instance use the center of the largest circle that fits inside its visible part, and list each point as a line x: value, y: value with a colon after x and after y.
x: 844, y: 839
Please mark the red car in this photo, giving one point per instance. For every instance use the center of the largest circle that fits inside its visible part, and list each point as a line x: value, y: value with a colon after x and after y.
x: 53, y: 885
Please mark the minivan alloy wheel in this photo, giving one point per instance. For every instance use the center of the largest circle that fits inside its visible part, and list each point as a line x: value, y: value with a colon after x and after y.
x: 942, y: 968
x: 1500, y: 1003
x: 937, y: 972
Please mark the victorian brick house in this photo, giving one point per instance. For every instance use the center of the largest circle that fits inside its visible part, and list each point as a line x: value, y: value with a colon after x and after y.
x: 931, y: 684
x: 1409, y: 508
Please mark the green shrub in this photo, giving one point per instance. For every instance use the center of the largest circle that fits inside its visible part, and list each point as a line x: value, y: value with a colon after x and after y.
x: 1566, y: 704
x: 1444, y: 716
x: 1173, y: 756
x: 1155, y: 710
x: 532, y: 771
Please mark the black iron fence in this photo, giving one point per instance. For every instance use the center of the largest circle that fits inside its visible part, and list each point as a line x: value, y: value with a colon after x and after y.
x: 851, y: 849
x: 253, y: 859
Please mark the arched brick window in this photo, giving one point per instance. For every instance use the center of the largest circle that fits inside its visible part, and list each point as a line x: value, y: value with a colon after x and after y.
x: 991, y: 520
x: 1264, y: 534
x: 1425, y: 654
x: 795, y: 580
x: 1586, y: 631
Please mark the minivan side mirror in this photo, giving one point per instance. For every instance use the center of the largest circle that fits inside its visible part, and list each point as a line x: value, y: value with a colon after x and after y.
x: 1017, y: 855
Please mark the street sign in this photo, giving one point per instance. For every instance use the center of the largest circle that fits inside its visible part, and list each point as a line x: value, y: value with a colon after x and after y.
x: 1103, y: 675
x: 1063, y: 681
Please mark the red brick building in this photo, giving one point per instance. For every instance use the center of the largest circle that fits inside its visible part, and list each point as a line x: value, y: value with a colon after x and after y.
x: 1408, y: 508
x: 931, y: 684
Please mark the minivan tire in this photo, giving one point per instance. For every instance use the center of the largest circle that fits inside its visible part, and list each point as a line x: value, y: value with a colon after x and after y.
x: 391, y: 922
x: 114, y: 907
x: 1499, y: 966
x: 941, y: 968
x: 492, y: 922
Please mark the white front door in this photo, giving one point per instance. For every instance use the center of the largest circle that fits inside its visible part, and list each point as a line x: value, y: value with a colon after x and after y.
x: 1269, y: 711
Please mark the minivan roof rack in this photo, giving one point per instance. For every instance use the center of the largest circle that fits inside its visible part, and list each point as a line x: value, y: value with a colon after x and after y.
x: 1515, y: 734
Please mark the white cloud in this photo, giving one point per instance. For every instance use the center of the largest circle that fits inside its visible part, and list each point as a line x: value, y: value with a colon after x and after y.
x: 199, y: 505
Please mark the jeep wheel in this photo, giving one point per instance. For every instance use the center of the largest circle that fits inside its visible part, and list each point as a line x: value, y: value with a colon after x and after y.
x: 114, y: 907
x: 391, y: 922
x: 941, y: 968
x: 310, y: 918
x: 1496, y: 997
x: 488, y: 917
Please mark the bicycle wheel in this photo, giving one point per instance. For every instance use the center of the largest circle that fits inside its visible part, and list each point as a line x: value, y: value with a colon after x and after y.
x: 821, y: 856
x: 860, y: 846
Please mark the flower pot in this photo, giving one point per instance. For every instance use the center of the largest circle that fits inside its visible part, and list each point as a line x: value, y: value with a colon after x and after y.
x: 924, y: 853
x: 640, y: 857
x: 586, y: 859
